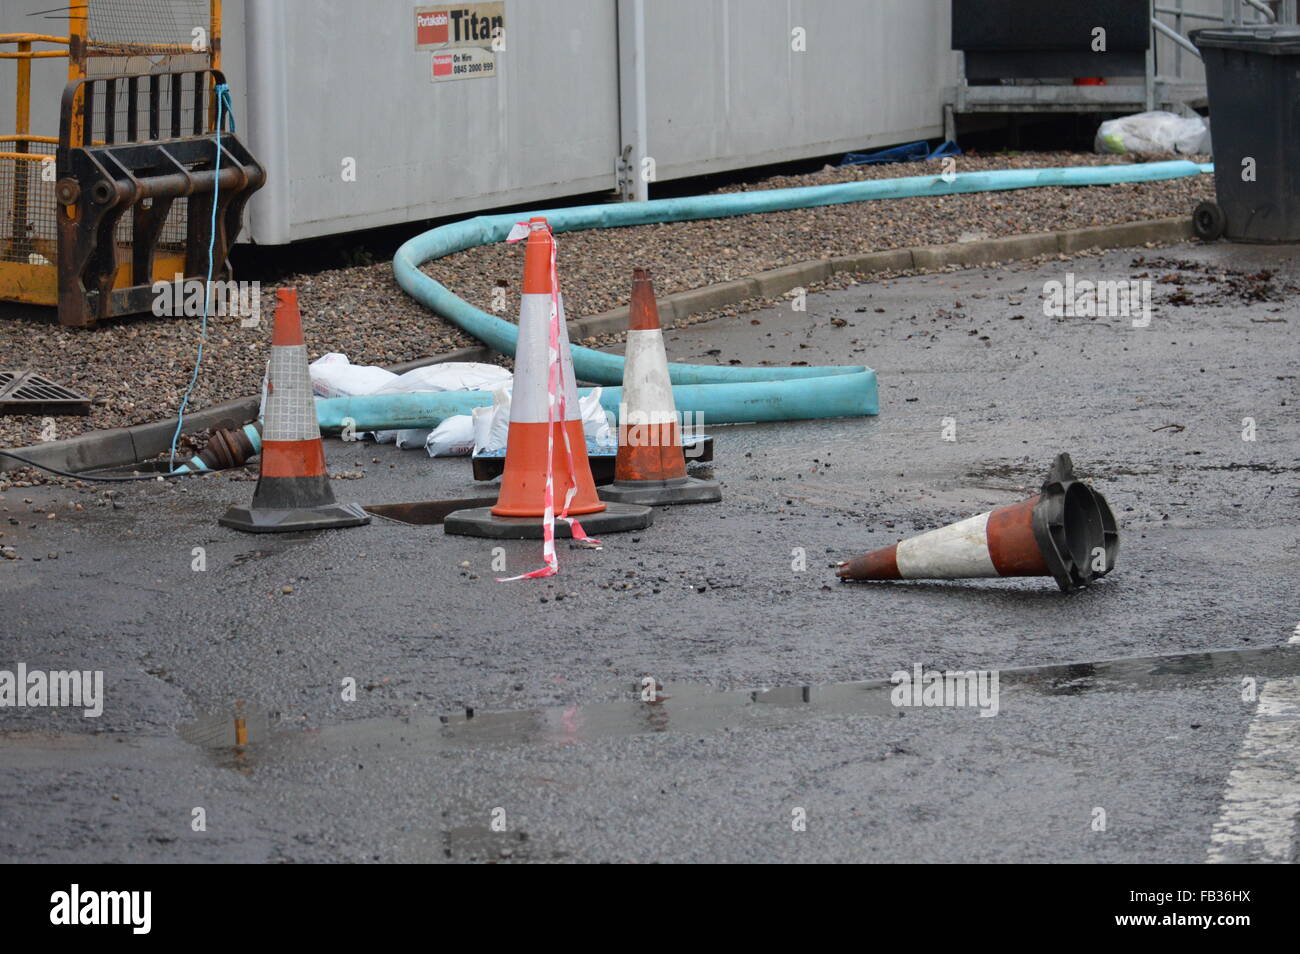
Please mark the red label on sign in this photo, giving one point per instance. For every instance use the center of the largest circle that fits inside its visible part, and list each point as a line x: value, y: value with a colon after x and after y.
x: 442, y: 64
x: 431, y: 27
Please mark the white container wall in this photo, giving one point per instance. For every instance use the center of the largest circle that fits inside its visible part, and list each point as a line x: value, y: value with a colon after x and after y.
x: 725, y: 89
x: 334, y: 99
x: 728, y: 86
x: 333, y: 91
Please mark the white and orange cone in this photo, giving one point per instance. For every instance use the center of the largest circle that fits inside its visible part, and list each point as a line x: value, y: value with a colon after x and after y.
x: 651, y: 466
x: 293, y: 486
x: 547, y: 475
x: 1067, y: 532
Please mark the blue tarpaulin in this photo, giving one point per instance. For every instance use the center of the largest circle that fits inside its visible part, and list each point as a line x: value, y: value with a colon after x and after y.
x: 908, y: 152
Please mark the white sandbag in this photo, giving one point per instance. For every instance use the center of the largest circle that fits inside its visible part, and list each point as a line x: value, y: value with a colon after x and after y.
x: 492, y: 423
x: 454, y: 437
x: 448, y: 376
x: 411, y: 438
x: 333, y: 375
x: 385, y: 437
x: 1155, y: 131
x: 482, y: 420
x: 595, y: 423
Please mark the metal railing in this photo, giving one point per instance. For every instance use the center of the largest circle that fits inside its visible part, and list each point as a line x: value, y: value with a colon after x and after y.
x: 1235, y: 13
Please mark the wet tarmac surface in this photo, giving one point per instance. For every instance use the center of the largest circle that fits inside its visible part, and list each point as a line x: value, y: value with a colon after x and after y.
x: 774, y: 694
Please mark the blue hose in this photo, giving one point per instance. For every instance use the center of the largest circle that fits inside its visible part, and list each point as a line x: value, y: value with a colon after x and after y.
x: 826, y: 391
x: 196, y: 462
x: 846, y: 395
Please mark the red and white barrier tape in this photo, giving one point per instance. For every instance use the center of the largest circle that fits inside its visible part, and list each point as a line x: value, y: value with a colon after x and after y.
x: 555, y: 385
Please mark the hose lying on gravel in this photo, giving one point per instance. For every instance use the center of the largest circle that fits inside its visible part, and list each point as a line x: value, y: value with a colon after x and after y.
x: 844, y: 395
x: 722, y: 394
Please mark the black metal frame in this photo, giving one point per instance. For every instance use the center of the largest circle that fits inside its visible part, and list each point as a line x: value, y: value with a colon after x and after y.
x: 143, y: 172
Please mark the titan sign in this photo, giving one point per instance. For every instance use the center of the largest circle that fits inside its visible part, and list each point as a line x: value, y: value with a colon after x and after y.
x: 471, y: 25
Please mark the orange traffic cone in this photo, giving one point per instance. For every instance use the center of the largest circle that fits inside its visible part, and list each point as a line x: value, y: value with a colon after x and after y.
x: 546, y: 450
x: 651, y: 466
x: 1067, y: 532
x: 293, y: 487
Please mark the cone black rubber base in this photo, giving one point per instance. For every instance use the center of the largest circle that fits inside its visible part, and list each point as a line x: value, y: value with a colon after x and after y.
x: 326, y: 517
x: 1074, y: 527
x: 481, y: 522
x: 656, y: 493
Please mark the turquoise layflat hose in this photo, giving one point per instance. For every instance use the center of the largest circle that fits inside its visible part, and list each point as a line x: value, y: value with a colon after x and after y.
x: 721, y: 394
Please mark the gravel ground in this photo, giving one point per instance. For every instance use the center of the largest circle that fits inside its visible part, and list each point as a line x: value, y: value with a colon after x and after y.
x: 138, y: 368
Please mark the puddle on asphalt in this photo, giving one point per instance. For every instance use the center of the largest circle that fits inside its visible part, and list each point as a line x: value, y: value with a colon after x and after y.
x: 231, y: 735
x: 244, y: 736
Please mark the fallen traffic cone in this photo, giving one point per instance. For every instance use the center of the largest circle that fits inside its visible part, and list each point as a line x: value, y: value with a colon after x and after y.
x: 651, y: 466
x: 293, y: 487
x: 1067, y: 532
x: 547, y: 474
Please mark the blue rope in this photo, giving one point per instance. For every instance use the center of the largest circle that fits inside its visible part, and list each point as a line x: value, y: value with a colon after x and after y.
x: 224, y: 112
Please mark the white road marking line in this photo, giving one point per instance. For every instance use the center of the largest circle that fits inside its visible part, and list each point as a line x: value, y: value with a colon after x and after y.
x: 1257, y: 821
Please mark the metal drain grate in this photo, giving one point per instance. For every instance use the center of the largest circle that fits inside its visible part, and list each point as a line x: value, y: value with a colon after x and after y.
x: 26, y: 392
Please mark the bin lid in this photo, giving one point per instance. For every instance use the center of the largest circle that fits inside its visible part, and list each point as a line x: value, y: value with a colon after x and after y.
x: 1273, y: 40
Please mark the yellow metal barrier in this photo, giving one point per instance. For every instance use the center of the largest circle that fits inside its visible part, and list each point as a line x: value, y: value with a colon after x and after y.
x: 29, y: 236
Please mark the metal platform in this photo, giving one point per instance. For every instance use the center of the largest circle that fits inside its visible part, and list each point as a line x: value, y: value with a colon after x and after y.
x: 1068, y: 98
x: 1015, y: 58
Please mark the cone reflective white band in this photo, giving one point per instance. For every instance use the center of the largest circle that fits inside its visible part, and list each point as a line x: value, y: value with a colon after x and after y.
x: 957, y: 551
x: 646, y: 385
x: 292, y: 415
x: 528, y: 403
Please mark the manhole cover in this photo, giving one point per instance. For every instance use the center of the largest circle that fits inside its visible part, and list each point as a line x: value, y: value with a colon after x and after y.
x: 426, y: 512
x: 26, y: 392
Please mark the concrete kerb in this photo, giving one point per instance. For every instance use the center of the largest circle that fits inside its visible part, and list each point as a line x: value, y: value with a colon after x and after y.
x: 123, y: 446
x: 778, y: 281
x: 129, y: 445
x: 1176, y: 229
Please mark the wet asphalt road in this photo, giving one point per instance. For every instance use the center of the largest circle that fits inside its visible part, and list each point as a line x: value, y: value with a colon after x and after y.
x: 708, y: 599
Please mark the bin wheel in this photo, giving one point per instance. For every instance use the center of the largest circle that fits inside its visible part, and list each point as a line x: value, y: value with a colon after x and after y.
x: 1208, y: 221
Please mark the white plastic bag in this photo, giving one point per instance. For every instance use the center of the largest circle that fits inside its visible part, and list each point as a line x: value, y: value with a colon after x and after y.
x: 1156, y: 131
x: 333, y: 375
x: 454, y: 437
x: 448, y: 376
